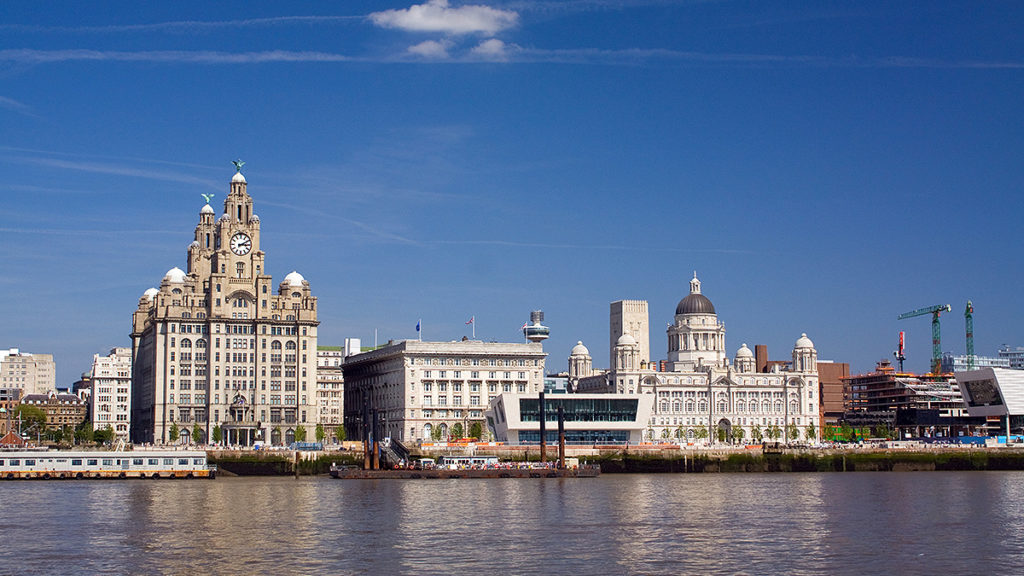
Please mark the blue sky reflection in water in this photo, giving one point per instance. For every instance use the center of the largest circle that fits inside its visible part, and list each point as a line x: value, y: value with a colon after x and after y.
x: 813, y: 523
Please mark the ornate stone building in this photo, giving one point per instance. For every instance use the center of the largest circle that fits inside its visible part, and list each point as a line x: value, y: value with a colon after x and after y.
x: 216, y: 346
x: 702, y: 394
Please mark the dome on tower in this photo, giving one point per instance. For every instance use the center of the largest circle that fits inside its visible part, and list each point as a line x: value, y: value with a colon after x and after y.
x: 626, y: 340
x: 150, y: 294
x: 294, y: 279
x: 804, y: 342
x: 206, y: 209
x: 579, y: 350
x: 744, y: 352
x: 695, y: 302
x: 238, y: 178
x: 175, y: 275
x: 255, y: 218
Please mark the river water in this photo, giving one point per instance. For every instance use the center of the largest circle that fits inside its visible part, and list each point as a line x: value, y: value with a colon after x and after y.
x: 815, y: 523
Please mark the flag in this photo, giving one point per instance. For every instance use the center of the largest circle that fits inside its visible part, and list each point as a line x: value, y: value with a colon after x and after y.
x: 417, y: 325
x: 470, y: 321
x: 525, y: 324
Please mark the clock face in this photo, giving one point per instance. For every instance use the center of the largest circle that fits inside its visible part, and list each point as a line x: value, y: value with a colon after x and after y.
x: 241, y: 244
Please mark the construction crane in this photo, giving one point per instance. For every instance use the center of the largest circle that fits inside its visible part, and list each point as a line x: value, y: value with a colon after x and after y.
x: 935, y: 311
x: 969, y: 321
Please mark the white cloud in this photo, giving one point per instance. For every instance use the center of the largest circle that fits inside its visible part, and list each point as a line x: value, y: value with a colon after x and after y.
x: 15, y: 106
x: 492, y: 49
x: 431, y: 49
x: 437, y: 16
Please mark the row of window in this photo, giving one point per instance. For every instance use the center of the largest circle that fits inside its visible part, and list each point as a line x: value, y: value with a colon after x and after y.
x: 237, y: 329
x: 473, y: 362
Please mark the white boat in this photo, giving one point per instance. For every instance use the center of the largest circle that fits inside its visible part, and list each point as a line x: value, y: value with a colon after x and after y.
x: 80, y: 464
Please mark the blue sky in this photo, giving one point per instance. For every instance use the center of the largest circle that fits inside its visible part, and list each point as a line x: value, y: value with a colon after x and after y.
x: 823, y: 166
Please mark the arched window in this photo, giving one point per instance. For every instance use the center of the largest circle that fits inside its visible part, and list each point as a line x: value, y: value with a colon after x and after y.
x: 200, y: 343
x: 689, y: 406
x: 186, y: 343
x: 676, y: 406
x: 722, y: 406
x: 290, y: 345
x: 275, y: 345
x: 740, y: 406
x: 766, y: 406
x: 703, y: 407
x: 663, y: 407
x: 427, y: 429
x: 778, y: 407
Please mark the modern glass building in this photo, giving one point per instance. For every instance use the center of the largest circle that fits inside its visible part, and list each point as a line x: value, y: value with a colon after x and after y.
x: 589, y: 418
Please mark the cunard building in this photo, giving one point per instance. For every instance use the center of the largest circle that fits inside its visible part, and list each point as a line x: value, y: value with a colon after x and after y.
x: 217, y: 345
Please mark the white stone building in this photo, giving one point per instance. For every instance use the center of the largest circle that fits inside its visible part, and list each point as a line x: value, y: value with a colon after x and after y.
x: 216, y: 346
x: 703, y: 393
x: 418, y: 387
x: 330, y: 387
x: 30, y: 373
x: 110, y: 398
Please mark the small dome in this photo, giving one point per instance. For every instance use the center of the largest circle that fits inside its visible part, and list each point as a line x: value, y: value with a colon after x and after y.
x: 194, y: 244
x: 223, y: 217
x: 294, y: 279
x: 206, y: 209
x: 579, y: 350
x: 804, y: 342
x: 255, y: 218
x: 625, y: 340
x: 744, y: 352
x: 150, y: 294
x: 175, y: 275
x: 238, y: 178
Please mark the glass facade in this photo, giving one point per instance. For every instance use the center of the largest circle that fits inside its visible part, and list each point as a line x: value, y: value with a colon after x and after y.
x: 580, y: 410
x: 577, y: 437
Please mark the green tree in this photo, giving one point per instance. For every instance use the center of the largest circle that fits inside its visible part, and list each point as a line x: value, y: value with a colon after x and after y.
x: 650, y: 433
x: 847, y: 432
x: 435, y: 433
x: 738, y: 433
x: 339, y: 433
x: 721, y: 433
x: 218, y: 434
x: 103, y: 435
x: 83, y: 433
x: 774, y: 431
x: 810, y: 433
x: 476, y: 430
x: 456, y: 431
x: 197, y: 433
x: 680, y: 433
x: 300, y: 433
x: 55, y: 435
x: 173, y: 433
x: 756, y: 433
x: 319, y: 433
x: 665, y: 433
x: 700, y: 433
x: 882, y: 431
x: 793, y: 432
x: 31, y: 417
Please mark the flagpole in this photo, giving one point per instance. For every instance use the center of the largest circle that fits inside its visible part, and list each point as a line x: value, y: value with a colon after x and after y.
x: 474, y: 327
x: 419, y: 328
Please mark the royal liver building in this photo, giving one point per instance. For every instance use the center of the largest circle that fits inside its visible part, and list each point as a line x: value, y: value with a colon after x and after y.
x: 698, y: 393
x: 216, y: 345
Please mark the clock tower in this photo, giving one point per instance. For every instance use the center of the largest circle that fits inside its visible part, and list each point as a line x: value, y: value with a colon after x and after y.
x: 215, y: 347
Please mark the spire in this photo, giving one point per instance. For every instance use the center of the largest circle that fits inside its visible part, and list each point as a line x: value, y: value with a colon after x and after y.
x: 695, y: 284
